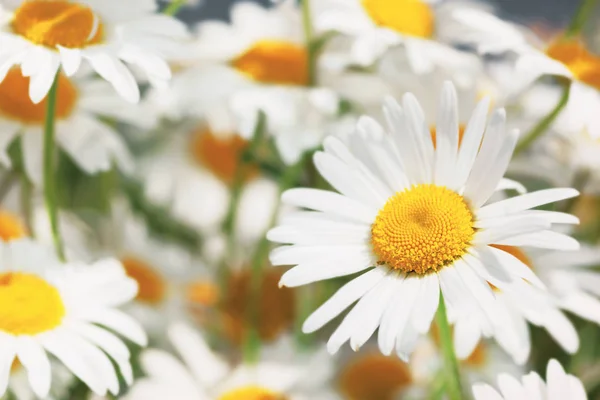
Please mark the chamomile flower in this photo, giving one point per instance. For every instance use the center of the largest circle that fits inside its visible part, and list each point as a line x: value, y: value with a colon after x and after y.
x: 558, y: 385
x: 81, y: 101
x: 412, y: 213
x: 204, y: 375
x: 43, y: 36
x: 64, y: 310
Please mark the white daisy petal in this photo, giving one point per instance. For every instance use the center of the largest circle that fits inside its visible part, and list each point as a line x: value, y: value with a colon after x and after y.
x: 485, y: 392
x: 471, y: 142
x: 8, y: 351
x: 446, y: 137
x: 33, y: 357
x: 525, y: 202
x: 70, y: 59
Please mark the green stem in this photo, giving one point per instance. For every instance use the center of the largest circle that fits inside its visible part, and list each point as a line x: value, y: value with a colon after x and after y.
x: 545, y: 123
x: 579, y: 19
x: 308, y: 38
x: 453, y: 386
x: 49, y: 169
x: 174, y: 7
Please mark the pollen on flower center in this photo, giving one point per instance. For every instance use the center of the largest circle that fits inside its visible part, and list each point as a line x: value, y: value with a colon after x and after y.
x: 422, y: 229
x: 275, y: 62
x: 252, y: 393
x: 16, y: 105
x: 54, y: 23
x: 11, y: 226
x: 30, y: 305
x: 152, y: 288
x: 410, y: 17
x: 573, y: 53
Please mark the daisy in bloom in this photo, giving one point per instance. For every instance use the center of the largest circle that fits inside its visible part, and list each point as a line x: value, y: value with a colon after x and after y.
x: 566, y: 57
x: 558, y: 385
x: 67, y: 317
x: 412, y: 216
x: 43, y: 36
x: 81, y: 101
x: 204, y: 375
x: 378, y: 25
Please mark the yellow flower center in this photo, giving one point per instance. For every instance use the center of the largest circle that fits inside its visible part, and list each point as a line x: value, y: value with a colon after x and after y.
x: 422, y: 229
x: 54, y: 23
x: 375, y: 377
x: 30, y: 305
x: 11, y: 226
x: 410, y: 17
x: 220, y: 154
x: 202, y: 293
x: 573, y: 53
x: 252, y: 393
x: 152, y: 288
x: 276, y: 306
x: 16, y: 105
x: 275, y: 62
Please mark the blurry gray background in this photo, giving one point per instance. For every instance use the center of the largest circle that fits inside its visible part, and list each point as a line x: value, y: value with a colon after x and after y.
x: 554, y: 12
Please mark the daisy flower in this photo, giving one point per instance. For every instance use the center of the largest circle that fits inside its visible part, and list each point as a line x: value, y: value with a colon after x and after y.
x: 411, y: 217
x: 558, y: 385
x: 378, y: 25
x: 43, y: 36
x: 69, y: 317
x: 81, y: 102
x: 204, y: 375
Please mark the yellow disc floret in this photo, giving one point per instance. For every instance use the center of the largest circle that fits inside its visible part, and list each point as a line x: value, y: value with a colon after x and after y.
x: 410, y: 17
x: 275, y: 62
x: 30, y: 305
x: 11, y: 226
x: 54, y: 23
x: 573, y: 53
x: 422, y: 229
x: 252, y: 393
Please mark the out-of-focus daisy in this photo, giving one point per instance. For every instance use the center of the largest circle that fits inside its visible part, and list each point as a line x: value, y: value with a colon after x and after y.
x: 204, y: 375
x: 413, y: 213
x: 378, y: 25
x: 41, y: 36
x: 558, y: 385
x: 49, y: 307
x: 81, y: 102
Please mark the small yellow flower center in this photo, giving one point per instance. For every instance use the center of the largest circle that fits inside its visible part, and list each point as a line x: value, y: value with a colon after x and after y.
x: 573, y: 53
x: 276, y: 307
x: 11, y: 226
x: 30, y: 305
x: 16, y: 105
x: 54, y: 23
x: 252, y: 393
x: 202, y: 293
x: 375, y: 377
x: 152, y: 287
x: 410, y: 17
x: 422, y: 229
x: 275, y: 62
x: 220, y: 154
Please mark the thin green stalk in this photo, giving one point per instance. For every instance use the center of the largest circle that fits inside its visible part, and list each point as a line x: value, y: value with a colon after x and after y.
x: 174, y: 7
x: 584, y: 11
x: 7, y: 182
x: 311, y: 58
x: 545, y: 123
x: 49, y: 169
x: 453, y: 385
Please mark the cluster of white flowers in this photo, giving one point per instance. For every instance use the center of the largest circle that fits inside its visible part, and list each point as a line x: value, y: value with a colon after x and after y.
x: 423, y: 173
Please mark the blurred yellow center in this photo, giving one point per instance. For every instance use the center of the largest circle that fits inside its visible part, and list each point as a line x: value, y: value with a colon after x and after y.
x: 584, y: 65
x: 375, y: 377
x: 30, y: 305
x: 152, y: 288
x: 202, y: 293
x: 275, y: 62
x: 410, y: 17
x: 422, y: 229
x: 252, y: 393
x: 16, y: 105
x: 220, y: 154
x: 11, y: 226
x: 54, y: 23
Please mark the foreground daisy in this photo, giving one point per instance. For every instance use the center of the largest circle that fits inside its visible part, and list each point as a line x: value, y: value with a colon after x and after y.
x: 49, y: 307
x: 413, y: 214
x: 558, y: 385
x: 41, y: 36
x: 204, y: 375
